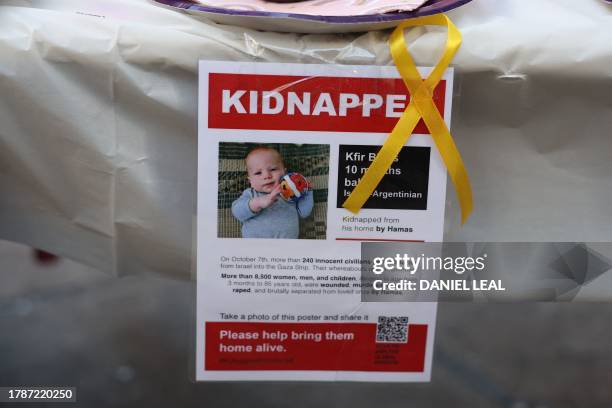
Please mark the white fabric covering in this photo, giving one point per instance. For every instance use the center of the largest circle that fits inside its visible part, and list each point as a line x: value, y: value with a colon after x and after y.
x: 98, y: 121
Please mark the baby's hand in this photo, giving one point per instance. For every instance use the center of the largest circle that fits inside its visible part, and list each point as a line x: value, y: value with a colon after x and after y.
x: 256, y: 204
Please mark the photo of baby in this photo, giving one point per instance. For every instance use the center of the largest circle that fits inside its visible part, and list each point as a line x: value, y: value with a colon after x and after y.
x: 275, y: 191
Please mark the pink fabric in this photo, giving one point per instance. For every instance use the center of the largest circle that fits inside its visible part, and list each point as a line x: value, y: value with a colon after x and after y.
x: 319, y: 7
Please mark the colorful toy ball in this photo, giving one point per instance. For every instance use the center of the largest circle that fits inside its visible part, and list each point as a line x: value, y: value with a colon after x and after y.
x: 293, y: 186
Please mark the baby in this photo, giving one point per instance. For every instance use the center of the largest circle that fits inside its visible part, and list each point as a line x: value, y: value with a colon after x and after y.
x: 259, y: 209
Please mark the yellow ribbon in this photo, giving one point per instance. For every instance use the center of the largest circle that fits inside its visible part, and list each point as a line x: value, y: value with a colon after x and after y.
x: 421, y: 106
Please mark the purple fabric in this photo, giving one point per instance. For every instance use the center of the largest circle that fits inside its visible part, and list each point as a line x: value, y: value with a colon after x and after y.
x: 431, y: 7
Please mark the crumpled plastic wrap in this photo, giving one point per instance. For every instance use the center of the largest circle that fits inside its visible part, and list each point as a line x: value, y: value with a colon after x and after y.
x: 98, y: 126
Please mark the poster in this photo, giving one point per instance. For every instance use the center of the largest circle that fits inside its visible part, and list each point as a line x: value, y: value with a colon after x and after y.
x: 278, y: 278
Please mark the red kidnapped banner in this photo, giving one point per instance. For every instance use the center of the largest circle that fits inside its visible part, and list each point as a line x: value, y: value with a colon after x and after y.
x: 311, y: 346
x: 335, y: 104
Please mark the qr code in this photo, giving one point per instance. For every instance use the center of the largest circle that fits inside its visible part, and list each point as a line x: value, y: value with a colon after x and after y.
x: 392, y: 329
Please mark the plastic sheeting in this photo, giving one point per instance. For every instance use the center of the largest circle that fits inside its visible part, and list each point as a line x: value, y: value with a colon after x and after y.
x: 98, y: 121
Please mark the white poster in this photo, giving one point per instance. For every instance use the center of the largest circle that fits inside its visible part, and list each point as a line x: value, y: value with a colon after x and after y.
x: 280, y: 147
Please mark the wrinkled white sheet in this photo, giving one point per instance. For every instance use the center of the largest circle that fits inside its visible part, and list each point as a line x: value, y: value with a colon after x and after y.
x: 98, y: 121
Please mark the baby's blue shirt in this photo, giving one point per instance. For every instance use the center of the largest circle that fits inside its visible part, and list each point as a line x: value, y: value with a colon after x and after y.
x: 280, y: 220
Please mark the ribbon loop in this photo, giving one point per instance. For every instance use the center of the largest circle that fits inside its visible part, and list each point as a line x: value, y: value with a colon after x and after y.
x: 420, y: 107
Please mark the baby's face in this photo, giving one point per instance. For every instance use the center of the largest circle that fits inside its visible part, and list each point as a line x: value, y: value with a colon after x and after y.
x: 265, y: 169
